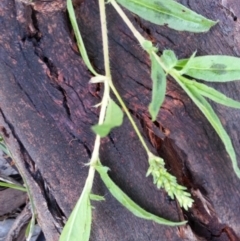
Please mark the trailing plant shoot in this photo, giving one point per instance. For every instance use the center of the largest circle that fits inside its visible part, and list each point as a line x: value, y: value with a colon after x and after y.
x: 184, y: 71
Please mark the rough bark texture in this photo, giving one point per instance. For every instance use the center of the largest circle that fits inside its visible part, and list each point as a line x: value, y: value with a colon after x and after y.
x: 46, y: 113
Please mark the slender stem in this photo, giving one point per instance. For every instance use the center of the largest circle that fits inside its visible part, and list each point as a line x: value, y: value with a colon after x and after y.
x: 130, y: 118
x: 138, y: 36
x: 141, y: 39
x: 106, y: 93
x: 161, y: 63
x: 135, y: 32
x: 106, y: 60
x: 104, y: 38
x: 108, y: 83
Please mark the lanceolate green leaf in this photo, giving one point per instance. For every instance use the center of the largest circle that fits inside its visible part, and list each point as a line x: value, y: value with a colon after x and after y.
x: 78, y: 225
x: 212, y: 94
x: 79, y: 37
x: 169, y: 13
x: 12, y: 185
x: 95, y: 197
x: 114, y: 118
x: 31, y: 225
x: 209, y: 113
x: 128, y: 203
x: 187, y: 63
x: 169, y: 58
x: 216, y: 68
x: 159, y: 86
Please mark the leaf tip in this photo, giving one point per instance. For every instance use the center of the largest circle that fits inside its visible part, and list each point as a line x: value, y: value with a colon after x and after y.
x: 153, y: 112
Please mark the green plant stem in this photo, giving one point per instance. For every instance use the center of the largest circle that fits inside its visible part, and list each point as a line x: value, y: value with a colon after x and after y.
x: 177, y: 76
x: 161, y: 63
x: 135, y: 32
x: 78, y: 36
x: 104, y: 103
x: 130, y: 118
x: 105, y: 38
x: 108, y: 82
x: 141, y: 39
x: 138, y: 36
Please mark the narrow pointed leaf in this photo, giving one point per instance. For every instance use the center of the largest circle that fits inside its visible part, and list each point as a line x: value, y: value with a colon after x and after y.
x: 128, y: 203
x: 187, y: 64
x: 169, y: 58
x: 169, y: 13
x: 30, y: 228
x: 95, y: 197
x: 32, y: 222
x: 114, y: 118
x: 216, y: 68
x: 12, y: 185
x: 209, y: 113
x: 27, y: 232
x: 213, y: 94
x: 78, y: 36
x: 78, y: 225
x: 159, y: 86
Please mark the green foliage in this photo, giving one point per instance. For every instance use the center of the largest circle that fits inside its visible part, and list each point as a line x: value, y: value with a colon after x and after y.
x: 78, y: 36
x: 169, y: 59
x: 212, y: 117
x: 159, y: 86
x: 217, y: 68
x: 163, y: 179
x: 113, y: 118
x: 169, y: 13
x: 78, y: 226
x: 211, y: 93
x: 95, y: 197
x: 185, y: 64
x: 208, y: 68
x: 12, y: 185
x: 6, y: 183
x: 129, y: 203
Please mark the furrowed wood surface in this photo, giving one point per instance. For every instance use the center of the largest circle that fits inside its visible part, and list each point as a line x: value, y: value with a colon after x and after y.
x: 46, y: 108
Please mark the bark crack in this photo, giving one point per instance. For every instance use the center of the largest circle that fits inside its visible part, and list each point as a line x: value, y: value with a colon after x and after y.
x: 30, y: 165
x: 203, y: 219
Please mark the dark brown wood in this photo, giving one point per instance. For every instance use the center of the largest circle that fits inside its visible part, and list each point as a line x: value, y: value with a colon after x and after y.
x: 10, y: 200
x: 46, y: 114
x: 18, y: 229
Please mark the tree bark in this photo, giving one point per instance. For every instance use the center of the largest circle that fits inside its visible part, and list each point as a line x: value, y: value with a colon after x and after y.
x: 46, y: 111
